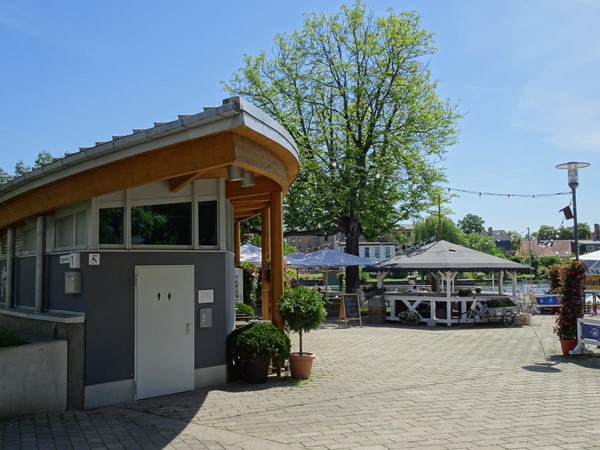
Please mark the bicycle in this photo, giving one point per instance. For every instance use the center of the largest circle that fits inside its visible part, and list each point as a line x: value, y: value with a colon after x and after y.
x: 485, y: 314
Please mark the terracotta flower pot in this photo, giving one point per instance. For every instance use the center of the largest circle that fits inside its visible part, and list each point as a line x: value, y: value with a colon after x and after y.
x: 301, y: 366
x: 567, y: 345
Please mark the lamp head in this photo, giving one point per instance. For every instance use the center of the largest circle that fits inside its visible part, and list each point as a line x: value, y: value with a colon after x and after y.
x: 572, y: 171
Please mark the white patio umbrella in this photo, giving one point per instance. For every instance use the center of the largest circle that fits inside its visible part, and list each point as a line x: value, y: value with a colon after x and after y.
x: 253, y: 254
x: 592, y: 260
x: 329, y: 258
x: 250, y: 253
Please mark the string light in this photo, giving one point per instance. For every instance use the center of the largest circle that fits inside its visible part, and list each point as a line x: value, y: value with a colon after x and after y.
x: 509, y: 196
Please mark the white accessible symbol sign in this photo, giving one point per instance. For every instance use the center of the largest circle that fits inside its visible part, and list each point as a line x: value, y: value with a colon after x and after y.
x: 94, y: 259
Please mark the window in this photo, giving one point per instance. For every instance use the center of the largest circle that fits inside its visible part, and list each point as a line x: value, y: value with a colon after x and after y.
x: 167, y: 224
x: 207, y: 223
x: 367, y: 252
x: 71, y: 230
x: 377, y: 252
x: 81, y: 228
x: 111, y: 222
x: 64, y: 231
x: 388, y: 253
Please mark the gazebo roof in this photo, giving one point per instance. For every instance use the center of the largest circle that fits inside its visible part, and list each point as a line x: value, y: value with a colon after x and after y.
x: 445, y: 256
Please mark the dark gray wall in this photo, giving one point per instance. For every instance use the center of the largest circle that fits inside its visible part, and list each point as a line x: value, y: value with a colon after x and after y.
x: 2, y: 289
x: 56, y: 298
x: 25, y: 281
x: 109, y: 295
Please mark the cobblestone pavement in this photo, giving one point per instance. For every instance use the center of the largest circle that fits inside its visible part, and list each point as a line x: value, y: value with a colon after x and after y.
x: 373, y: 387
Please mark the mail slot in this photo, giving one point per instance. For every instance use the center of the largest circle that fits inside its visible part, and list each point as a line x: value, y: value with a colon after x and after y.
x: 72, y: 282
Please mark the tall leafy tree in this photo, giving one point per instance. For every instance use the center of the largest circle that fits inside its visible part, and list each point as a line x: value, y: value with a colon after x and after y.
x: 4, y: 176
x: 583, y: 230
x: 43, y: 157
x: 21, y: 168
x: 546, y: 233
x: 515, y: 241
x: 355, y: 92
x: 471, y: 223
x: 436, y: 227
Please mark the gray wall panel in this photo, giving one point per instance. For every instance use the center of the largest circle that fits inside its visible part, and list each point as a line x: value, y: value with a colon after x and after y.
x: 55, y: 287
x: 25, y: 281
x: 109, y: 293
x: 2, y: 282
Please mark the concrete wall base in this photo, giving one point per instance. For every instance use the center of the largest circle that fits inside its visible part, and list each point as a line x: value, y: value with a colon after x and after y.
x: 33, y: 378
x: 108, y: 393
x: 210, y: 376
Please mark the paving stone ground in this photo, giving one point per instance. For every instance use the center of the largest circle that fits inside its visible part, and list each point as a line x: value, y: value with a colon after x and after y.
x: 373, y: 387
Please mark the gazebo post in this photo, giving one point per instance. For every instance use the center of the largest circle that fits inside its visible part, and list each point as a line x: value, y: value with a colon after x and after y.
x: 513, y: 278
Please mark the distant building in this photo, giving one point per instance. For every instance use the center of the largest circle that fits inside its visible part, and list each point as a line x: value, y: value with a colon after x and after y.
x: 501, y: 238
x: 380, y: 250
x: 384, y: 247
x: 306, y: 243
x: 561, y: 248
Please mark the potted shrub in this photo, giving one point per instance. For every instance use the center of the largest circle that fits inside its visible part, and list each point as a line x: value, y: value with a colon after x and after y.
x: 409, y: 317
x: 301, y: 310
x: 250, y: 350
x: 571, y: 290
x: 243, y: 311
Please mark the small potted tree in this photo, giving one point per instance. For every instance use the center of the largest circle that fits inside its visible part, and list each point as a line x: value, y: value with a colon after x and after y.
x: 250, y: 350
x: 301, y: 310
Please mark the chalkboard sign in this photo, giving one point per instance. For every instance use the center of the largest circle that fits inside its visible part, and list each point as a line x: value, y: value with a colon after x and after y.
x: 350, y: 308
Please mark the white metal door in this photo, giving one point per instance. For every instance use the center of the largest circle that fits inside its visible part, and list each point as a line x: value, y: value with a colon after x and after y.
x: 164, y: 330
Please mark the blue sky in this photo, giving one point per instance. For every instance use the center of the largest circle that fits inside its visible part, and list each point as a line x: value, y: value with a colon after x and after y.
x: 524, y: 73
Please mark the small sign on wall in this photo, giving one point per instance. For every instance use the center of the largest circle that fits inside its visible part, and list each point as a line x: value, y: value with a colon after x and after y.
x: 206, y: 296
x: 94, y: 259
x: 72, y: 259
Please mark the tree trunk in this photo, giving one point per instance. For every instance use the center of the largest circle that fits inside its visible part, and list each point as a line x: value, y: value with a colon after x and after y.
x: 352, y: 230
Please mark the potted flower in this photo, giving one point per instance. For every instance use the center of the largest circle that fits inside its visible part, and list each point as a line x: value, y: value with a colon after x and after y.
x: 251, y: 348
x: 409, y: 317
x: 301, y: 310
x: 571, y: 289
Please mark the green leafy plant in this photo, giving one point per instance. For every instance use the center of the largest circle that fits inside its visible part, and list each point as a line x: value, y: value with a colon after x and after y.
x: 257, y: 341
x: 571, y: 289
x: 250, y: 279
x: 372, y: 290
x: 302, y: 310
x: 409, y: 316
x: 243, y: 309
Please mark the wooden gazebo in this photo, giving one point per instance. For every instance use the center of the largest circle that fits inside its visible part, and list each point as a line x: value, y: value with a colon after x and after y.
x: 443, y: 261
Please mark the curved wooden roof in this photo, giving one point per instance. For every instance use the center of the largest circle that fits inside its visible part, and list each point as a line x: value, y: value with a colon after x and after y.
x: 444, y: 256
x: 191, y: 147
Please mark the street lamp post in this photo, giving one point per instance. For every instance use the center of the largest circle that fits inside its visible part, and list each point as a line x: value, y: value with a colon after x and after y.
x: 572, y: 168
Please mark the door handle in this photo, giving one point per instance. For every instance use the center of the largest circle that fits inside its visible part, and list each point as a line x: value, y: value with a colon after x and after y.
x: 188, y: 328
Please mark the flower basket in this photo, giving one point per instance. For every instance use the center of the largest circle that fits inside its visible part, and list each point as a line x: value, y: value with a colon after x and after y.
x: 571, y: 289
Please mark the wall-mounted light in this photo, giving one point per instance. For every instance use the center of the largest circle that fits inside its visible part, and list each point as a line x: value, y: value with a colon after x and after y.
x: 235, y: 173
x: 248, y: 180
